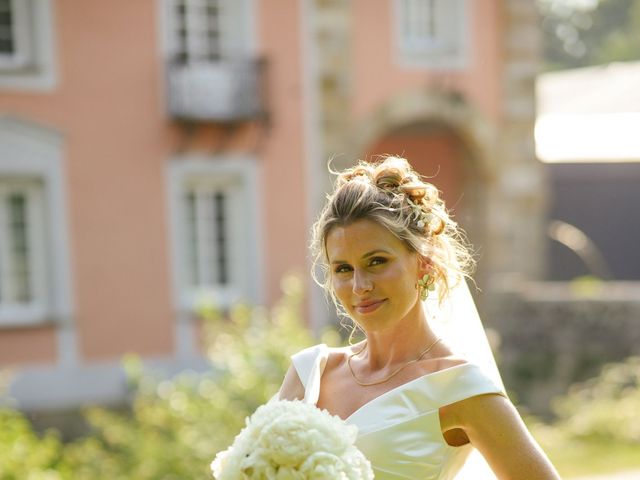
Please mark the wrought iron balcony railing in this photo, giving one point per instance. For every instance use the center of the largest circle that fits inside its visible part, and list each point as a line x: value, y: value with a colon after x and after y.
x: 224, y: 91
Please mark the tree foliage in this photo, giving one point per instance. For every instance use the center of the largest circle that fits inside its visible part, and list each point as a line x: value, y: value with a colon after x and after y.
x: 578, y: 34
x: 604, y: 408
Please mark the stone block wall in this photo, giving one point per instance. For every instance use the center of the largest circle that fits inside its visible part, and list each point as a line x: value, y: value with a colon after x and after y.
x: 553, y: 334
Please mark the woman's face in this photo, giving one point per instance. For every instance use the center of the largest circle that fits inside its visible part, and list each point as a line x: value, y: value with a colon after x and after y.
x: 373, y: 274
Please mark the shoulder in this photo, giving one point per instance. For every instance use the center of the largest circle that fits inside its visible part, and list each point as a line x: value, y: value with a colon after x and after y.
x: 468, y: 376
x: 493, y: 426
x: 306, y: 359
x: 475, y: 410
x: 444, y: 363
x: 442, y: 357
x: 312, y: 351
x: 302, y: 363
x: 338, y: 355
x: 465, y: 390
x: 471, y: 410
x: 292, y: 387
x: 479, y: 405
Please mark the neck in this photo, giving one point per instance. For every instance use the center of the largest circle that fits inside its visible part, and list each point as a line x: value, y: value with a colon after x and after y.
x: 403, y: 342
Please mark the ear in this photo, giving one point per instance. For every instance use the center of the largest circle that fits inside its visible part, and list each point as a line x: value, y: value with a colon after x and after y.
x: 425, y: 265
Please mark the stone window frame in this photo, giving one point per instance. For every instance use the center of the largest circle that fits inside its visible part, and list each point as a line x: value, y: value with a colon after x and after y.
x: 22, y: 250
x: 32, y: 66
x: 414, y: 47
x: 32, y: 156
x: 237, y: 177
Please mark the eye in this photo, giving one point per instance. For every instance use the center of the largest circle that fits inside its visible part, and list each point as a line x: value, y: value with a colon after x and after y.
x: 377, y: 261
x: 342, y: 268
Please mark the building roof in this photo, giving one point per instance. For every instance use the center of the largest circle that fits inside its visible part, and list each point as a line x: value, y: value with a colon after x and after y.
x: 589, y: 114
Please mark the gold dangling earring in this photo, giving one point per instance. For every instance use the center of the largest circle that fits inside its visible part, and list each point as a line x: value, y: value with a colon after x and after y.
x: 425, y: 285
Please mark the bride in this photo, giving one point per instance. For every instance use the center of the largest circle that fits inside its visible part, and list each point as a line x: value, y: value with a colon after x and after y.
x: 422, y: 388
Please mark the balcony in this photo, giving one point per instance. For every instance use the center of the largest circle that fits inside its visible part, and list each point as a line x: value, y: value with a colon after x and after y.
x: 225, y: 91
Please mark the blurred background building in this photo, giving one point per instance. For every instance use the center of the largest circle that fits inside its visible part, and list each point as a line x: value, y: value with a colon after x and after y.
x: 169, y: 150
x: 587, y: 134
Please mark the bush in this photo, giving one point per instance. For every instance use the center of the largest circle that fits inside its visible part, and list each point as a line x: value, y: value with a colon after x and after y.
x: 596, y: 430
x: 175, y: 426
x: 25, y: 455
x: 604, y: 408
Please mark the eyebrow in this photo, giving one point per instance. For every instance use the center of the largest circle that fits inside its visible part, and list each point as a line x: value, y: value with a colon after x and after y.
x: 366, y: 255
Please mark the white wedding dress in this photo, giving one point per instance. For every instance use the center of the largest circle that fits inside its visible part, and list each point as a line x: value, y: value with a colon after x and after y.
x: 399, y: 431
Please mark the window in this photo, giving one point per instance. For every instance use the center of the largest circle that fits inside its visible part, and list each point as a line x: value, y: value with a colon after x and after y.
x: 432, y: 33
x: 207, y: 31
x: 35, y: 284
x: 14, y: 45
x: 214, y: 231
x: 22, y: 249
x: 198, y: 30
x: 26, y: 44
x: 207, y: 224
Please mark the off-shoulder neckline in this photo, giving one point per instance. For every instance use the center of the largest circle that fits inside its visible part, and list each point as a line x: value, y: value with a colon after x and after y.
x: 411, y: 382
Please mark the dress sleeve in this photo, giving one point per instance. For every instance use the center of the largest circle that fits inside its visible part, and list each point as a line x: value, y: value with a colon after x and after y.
x: 465, y: 382
x: 309, y: 364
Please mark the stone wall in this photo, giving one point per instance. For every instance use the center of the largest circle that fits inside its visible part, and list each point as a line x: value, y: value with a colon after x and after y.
x: 519, y: 198
x: 553, y: 334
x: 331, y: 24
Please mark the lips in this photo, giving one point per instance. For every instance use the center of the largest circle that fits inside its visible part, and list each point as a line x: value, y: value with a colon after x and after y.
x: 369, y: 306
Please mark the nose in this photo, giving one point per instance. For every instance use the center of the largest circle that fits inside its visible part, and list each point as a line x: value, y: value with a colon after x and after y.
x: 361, y: 282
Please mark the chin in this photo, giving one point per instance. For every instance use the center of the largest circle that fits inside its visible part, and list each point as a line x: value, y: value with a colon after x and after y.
x: 374, y: 323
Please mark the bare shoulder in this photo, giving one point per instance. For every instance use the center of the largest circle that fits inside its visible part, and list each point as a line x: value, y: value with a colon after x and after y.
x: 479, y: 411
x: 292, y: 387
x: 488, y: 407
x: 443, y: 361
x: 337, y: 355
x: 494, y: 426
x: 449, y: 361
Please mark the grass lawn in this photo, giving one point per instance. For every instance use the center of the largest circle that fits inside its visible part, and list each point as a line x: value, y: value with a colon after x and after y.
x: 576, y: 458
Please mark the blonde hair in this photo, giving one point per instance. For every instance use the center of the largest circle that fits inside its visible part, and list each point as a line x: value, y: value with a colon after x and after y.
x: 390, y: 193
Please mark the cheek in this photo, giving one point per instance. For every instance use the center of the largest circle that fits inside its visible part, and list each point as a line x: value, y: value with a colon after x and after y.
x: 398, y: 275
x: 340, y: 287
x: 402, y: 281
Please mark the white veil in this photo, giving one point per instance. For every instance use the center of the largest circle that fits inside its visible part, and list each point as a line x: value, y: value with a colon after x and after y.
x: 458, y: 323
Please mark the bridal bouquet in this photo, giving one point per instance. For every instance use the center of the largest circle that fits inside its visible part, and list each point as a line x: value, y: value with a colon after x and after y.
x: 292, y: 440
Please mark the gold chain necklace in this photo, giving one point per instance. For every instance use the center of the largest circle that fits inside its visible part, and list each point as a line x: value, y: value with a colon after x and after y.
x: 368, y: 384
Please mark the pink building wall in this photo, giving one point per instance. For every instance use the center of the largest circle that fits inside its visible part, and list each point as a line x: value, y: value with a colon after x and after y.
x: 378, y: 74
x: 109, y: 106
x: 286, y: 197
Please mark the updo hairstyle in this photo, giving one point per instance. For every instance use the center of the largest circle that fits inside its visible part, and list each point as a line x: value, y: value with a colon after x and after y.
x: 391, y: 194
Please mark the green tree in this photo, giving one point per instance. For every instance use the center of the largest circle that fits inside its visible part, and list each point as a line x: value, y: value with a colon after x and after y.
x: 578, y: 34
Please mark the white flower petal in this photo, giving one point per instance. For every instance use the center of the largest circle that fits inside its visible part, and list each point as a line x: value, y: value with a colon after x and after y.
x: 287, y: 440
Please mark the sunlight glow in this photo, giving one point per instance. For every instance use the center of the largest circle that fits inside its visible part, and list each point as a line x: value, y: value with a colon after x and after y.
x: 601, y: 137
